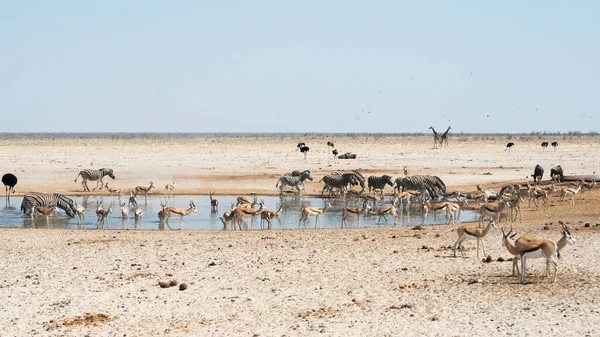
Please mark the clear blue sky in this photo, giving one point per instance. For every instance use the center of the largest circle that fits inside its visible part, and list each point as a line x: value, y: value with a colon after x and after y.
x: 299, y: 66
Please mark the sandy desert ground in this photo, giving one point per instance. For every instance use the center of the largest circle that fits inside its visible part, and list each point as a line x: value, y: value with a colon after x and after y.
x: 386, y: 281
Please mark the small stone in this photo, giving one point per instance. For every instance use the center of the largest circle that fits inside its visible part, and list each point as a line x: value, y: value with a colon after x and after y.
x: 587, y: 225
x: 546, y: 228
x: 164, y: 284
x: 182, y: 286
x: 500, y: 259
x: 212, y: 264
x: 395, y: 251
x: 435, y: 318
x: 488, y: 259
x: 173, y: 283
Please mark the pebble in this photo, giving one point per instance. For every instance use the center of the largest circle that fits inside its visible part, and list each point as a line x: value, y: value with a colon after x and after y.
x: 182, y: 286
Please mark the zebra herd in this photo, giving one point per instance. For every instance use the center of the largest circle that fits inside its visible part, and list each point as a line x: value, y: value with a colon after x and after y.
x: 340, y: 183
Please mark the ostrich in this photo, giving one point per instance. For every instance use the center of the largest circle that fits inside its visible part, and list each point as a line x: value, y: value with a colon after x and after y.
x: 330, y: 144
x: 335, y: 153
x: 304, y: 149
x: 300, y: 145
x: 554, y: 145
x: 10, y: 181
x: 544, y: 146
x: 509, y: 146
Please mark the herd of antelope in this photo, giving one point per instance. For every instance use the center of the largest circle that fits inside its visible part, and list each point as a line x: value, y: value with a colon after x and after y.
x: 488, y: 203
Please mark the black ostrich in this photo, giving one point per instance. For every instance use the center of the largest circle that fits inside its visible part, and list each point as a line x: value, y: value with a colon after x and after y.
x: 330, y: 144
x: 335, y: 153
x: 544, y: 145
x: 10, y: 181
x: 555, y: 145
x: 509, y: 146
x: 304, y: 149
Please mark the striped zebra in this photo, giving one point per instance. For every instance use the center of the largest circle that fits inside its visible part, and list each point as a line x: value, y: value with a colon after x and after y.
x: 296, y: 181
x: 360, y: 179
x: 297, y: 173
x: 94, y: 175
x: 339, y: 181
x: 378, y: 183
x: 34, y: 199
x: 432, y: 184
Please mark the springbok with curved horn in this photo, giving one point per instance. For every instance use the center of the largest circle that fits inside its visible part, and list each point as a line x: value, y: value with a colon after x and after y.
x: 510, y: 246
x: 144, y: 189
x: 241, y: 212
x: 348, y: 210
x: 530, y: 247
x: 472, y: 233
x: 167, y: 211
x: 316, y: 211
x: 268, y: 216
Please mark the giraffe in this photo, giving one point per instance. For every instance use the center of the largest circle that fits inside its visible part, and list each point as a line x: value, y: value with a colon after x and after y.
x: 444, y: 137
x: 436, y: 137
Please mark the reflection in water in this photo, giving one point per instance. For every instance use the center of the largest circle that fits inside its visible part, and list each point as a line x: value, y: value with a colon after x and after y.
x: 204, y: 218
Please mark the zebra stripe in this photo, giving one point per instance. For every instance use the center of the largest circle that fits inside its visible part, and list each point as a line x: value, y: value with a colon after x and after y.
x: 378, y: 183
x: 339, y: 181
x: 360, y: 179
x: 297, y: 173
x: 295, y: 181
x: 94, y: 175
x: 433, y: 184
x: 34, y: 199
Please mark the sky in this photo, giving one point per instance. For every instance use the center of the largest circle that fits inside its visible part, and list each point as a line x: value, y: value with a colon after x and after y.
x: 299, y: 66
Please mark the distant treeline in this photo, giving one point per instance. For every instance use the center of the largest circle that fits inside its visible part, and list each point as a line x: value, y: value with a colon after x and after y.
x: 159, y: 135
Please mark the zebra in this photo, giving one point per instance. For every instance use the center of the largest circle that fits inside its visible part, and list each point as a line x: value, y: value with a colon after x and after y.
x: 295, y: 181
x: 297, y: 173
x: 94, y: 175
x: 378, y: 183
x: 33, y: 199
x: 432, y: 184
x: 360, y: 179
x: 339, y: 181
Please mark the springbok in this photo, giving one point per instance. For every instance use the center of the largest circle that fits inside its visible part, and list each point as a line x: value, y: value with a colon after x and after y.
x: 80, y: 210
x: 214, y: 203
x: 167, y: 211
x: 114, y: 191
x: 493, y: 211
x: 530, y: 247
x: 241, y: 212
x: 102, y: 214
x: 46, y: 212
x: 124, y: 211
x: 169, y: 188
x: 268, y: 216
x: 510, y: 246
x: 570, y: 192
x: 472, y: 233
x: 348, y: 210
x: 144, y: 189
x: 383, y: 211
x: 316, y: 211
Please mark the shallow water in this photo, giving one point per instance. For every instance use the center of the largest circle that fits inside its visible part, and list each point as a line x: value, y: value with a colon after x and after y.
x: 204, y: 218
